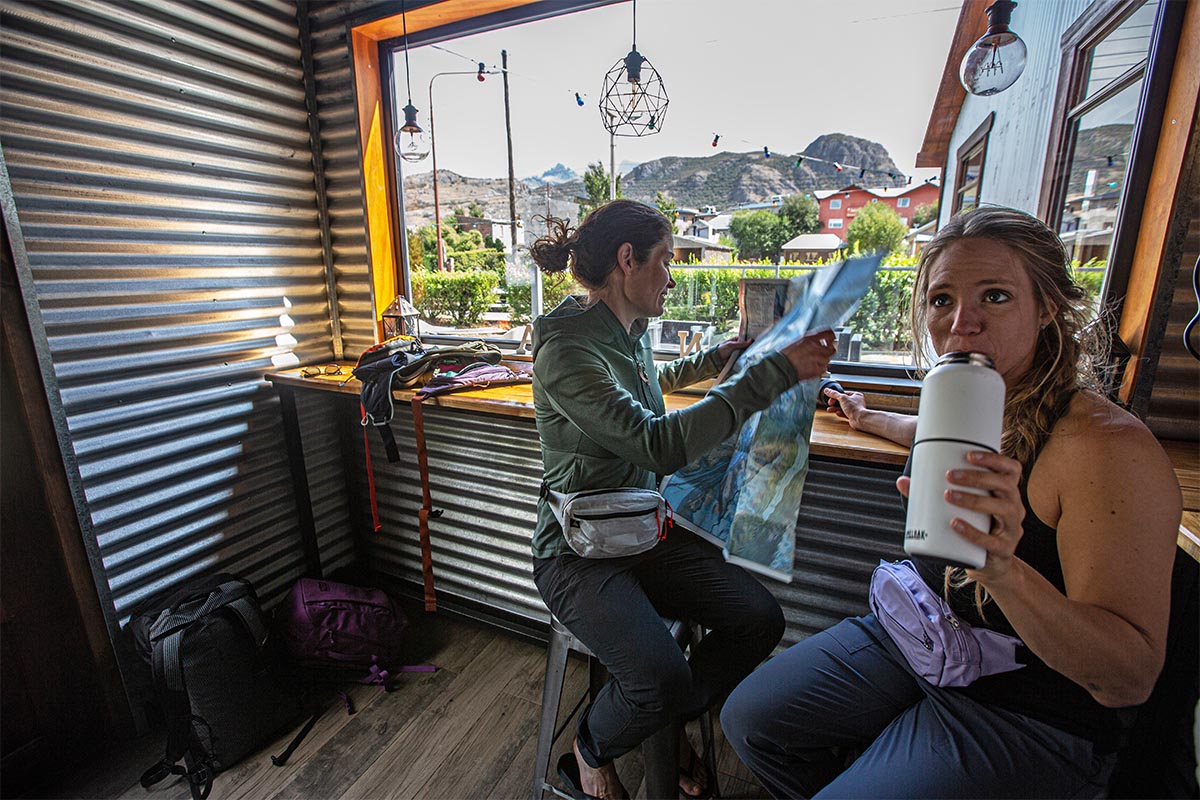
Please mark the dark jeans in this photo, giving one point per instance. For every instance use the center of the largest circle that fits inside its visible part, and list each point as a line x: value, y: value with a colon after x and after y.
x: 615, y: 607
x: 799, y: 720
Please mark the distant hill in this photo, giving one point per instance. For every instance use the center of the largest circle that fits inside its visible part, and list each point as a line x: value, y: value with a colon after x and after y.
x: 722, y: 180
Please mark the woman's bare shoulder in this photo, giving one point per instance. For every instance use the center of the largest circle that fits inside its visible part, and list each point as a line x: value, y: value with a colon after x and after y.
x: 1098, y: 436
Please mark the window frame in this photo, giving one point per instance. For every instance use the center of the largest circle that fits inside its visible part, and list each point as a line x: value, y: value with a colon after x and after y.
x: 840, y: 223
x: 372, y: 39
x: 976, y: 142
x: 903, y: 202
x: 835, y: 204
x: 1096, y: 23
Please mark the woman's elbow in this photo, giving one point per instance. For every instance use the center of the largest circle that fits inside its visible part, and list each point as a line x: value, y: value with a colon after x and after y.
x: 1132, y: 689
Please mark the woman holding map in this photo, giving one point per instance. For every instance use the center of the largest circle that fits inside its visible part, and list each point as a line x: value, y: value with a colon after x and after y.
x: 602, y: 423
x: 1084, y: 508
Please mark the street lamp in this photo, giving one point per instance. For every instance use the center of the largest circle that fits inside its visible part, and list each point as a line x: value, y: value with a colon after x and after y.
x: 437, y: 212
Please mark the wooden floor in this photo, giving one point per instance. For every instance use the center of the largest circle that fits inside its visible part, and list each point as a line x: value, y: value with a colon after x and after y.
x: 468, y: 730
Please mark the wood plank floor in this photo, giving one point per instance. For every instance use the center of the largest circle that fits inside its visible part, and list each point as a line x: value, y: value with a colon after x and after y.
x: 467, y: 731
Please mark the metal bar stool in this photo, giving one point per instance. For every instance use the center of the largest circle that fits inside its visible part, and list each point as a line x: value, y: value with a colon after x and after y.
x: 660, y: 751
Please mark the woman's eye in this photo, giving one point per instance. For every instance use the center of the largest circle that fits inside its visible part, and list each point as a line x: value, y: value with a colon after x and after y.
x: 996, y: 296
x: 939, y: 300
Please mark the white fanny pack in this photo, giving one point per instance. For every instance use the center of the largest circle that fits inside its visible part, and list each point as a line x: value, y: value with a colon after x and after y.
x: 607, y: 523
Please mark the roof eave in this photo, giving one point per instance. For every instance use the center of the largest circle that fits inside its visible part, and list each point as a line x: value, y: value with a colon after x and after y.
x: 972, y: 24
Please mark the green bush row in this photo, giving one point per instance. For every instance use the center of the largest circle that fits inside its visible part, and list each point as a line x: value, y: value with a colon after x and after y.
x: 461, y: 297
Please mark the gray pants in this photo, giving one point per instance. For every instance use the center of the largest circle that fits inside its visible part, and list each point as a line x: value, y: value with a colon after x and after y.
x: 615, y: 607
x: 800, y: 722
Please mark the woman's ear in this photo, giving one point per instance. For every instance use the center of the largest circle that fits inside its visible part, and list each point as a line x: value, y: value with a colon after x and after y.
x: 1049, y: 312
x: 625, y: 259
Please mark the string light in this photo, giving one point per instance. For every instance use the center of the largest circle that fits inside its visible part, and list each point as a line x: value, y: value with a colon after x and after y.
x: 716, y: 138
x: 861, y: 173
x: 479, y: 77
x: 837, y: 166
x: 766, y: 152
x: 799, y: 160
x: 1110, y: 161
x: 578, y: 99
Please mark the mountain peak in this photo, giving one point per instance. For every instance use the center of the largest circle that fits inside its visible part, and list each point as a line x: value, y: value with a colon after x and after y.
x: 559, y: 173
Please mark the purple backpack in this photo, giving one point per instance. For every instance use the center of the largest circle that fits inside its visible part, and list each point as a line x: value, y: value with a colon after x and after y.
x: 941, y: 648
x: 327, y: 625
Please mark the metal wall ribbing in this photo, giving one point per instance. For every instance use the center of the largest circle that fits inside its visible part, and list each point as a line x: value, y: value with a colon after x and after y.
x: 162, y: 176
x: 334, y: 76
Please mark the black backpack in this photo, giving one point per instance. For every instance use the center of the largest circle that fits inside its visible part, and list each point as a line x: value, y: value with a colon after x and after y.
x: 205, y: 645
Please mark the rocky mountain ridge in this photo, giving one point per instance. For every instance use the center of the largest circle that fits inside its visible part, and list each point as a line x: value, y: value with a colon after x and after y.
x: 724, y: 180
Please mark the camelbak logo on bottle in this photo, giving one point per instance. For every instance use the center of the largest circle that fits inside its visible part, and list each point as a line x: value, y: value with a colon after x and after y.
x: 915, y: 535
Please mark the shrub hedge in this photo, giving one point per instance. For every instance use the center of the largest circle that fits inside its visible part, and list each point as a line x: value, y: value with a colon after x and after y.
x: 461, y: 297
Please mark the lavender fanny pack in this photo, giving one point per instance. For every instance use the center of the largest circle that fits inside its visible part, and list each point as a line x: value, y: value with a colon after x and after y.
x: 941, y: 648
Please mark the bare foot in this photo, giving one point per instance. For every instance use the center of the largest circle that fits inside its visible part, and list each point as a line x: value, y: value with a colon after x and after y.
x: 693, y: 775
x: 602, y: 783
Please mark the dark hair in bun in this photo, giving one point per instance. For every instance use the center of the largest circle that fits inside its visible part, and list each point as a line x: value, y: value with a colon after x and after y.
x: 590, y: 251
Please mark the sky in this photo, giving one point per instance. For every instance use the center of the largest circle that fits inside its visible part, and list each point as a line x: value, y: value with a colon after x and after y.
x: 773, y: 73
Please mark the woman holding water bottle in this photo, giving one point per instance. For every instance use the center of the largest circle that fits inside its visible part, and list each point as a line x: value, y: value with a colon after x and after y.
x: 1084, y: 510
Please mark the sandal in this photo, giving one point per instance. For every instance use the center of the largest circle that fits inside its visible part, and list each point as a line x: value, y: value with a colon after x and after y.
x: 568, y: 773
x: 689, y: 772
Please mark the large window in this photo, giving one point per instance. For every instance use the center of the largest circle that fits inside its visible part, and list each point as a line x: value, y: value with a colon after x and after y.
x: 1098, y: 133
x: 467, y: 276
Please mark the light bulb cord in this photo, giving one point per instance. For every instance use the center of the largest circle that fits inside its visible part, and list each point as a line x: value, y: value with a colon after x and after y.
x: 407, y: 71
x: 634, y: 25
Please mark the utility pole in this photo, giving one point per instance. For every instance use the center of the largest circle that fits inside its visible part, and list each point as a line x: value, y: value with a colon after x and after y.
x: 512, y: 191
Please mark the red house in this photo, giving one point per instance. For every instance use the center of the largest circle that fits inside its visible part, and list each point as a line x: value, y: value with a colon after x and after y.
x: 839, y: 207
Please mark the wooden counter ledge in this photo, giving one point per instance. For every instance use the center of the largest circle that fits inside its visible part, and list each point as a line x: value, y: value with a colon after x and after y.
x: 832, y: 437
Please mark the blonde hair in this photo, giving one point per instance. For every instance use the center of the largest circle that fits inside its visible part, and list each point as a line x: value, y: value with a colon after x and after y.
x: 1067, y: 355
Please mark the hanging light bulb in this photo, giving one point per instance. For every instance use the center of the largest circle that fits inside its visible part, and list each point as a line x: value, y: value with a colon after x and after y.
x: 409, y: 141
x: 634, y: 101
x: 995, y: 61
x: 411, y: 144
x: 578, y: 99
x: 716, y: 138
x: 479, y: 77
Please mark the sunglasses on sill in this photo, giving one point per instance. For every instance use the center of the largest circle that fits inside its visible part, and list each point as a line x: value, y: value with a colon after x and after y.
x: 314, y: 372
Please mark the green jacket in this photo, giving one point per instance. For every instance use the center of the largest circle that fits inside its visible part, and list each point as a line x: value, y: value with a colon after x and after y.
x: 598, y: 404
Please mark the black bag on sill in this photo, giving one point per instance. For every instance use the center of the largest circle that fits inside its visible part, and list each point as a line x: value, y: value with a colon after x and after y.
x: 402, y: 362
x: 205, y: 645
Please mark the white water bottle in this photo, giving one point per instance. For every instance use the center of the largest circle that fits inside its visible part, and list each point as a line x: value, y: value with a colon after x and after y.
x: 962, y: 409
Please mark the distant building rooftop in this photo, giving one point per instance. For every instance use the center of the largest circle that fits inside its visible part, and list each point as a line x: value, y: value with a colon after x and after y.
x: 815, y: 241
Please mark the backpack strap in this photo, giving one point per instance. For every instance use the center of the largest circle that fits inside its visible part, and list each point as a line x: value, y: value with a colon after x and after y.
x: 427, y: 509
x: 377, y: 525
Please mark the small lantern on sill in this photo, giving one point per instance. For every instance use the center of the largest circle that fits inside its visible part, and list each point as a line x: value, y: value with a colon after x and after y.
x: 401, y: 317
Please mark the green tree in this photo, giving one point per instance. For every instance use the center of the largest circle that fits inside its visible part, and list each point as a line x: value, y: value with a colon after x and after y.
x: 666, y: 206
x: 453, y: 240
x: 877, y: 226
x: 924, y: 213
x: 800, y: 214
x: 595, y: 183
x: 476, y: 210
x: 759, y: 234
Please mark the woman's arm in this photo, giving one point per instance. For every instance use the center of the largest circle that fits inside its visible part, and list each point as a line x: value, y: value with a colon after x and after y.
x: 1120, y: 509
x: 699, y: 366
x: 612, y: 417
x: 852, y: 407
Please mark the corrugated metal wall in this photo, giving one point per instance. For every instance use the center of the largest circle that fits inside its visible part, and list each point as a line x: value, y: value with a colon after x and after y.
x: 334, y: 77
x: 160, y: 163
x: 484, y: 474
x: 1174, y: 406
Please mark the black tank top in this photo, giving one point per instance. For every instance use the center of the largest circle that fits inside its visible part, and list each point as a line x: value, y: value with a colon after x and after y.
x: 1036, y: 691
